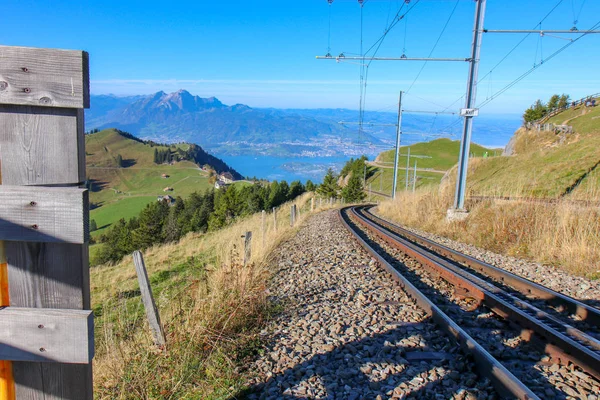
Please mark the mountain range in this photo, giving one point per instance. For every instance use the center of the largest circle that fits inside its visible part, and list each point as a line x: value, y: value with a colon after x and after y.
x: 242, y: 130
x: 181, y: 116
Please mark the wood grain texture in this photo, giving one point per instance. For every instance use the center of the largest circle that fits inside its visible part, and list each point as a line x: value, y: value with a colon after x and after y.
x: 44, y: 77
x: 39, y: 214
x: 148, y: 299
x: 46, y: 335
x: 41, y: 145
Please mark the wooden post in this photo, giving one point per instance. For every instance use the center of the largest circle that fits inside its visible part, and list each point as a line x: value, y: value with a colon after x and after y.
x: 275, y: 219
x: 148, y: 300
x: 264, y: 228
x: 292, y: 214
x: 42, y: 96
x: 312, y: 204
x: 247, y: 247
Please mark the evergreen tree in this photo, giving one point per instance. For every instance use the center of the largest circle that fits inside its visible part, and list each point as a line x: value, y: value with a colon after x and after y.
x: 535, y: 112
x: 296, y: 189
x: 329, y: 187
x: 564, y: 101
x: 93, y: 225
x: 553, y: 102
x: 119, y: 161
x: 353, y: 192
x: 310, y: 186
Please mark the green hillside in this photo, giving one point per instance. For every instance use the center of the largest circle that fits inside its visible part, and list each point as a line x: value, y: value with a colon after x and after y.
x: 121, y: 192
x: 433, y: 160
x: 545, y: 164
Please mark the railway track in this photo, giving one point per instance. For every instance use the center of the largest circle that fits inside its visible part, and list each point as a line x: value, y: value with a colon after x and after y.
x: 517, y: 331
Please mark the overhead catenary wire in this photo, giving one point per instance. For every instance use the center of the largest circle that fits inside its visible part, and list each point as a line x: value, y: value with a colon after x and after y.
x: 434, y: 46
x: 528, y: 72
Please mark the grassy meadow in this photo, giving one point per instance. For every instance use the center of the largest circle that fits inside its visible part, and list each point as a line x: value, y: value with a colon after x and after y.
x: 440, y: 155
x: 211, y: 306
x: 544, y: 165
x: 123, y: 192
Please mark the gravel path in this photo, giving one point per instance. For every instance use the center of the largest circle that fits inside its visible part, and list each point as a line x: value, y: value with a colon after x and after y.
x: 348, y: 331
x: 554, y: 278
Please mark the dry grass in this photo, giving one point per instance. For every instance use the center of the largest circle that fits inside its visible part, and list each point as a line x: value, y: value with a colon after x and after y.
x: 561, y: 234
x: 211, y: 306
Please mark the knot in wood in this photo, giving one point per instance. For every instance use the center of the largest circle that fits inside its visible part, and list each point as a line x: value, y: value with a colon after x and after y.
x: 42, y: 349
x: 45, y: 100
x: 25, y: 69
x: 27, y: 90
x: 34, y: 226
x: 32, y: 203
x: 41, y: 326
x: 3, y: 85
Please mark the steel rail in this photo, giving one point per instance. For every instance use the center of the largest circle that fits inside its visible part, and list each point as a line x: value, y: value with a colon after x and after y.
x: 563, y: 342
x: 529, y: 288
x: 503, y: 380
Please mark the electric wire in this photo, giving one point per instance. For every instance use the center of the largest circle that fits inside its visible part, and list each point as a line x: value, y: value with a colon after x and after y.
x: 435, y: 45
x: 531, y: 70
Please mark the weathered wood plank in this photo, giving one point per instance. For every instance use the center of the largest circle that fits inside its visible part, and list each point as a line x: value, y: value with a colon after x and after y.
x: 39, y: 214
x: 148, y: 299
x: 44, y: 77
x: 46, y: 335
x: 41, y: 146
x: 45, y: 146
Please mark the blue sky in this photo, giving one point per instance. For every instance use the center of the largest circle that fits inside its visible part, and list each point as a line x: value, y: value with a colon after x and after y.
x: 262, y: 53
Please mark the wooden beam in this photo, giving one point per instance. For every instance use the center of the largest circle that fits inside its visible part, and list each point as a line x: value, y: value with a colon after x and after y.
x: 41, y: 146
x: 42, y: 214
x: 44, y: 77
x: 46, y: 335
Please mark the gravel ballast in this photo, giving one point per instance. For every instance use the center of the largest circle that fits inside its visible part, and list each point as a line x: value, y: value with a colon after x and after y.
x: 554, y: 278
x: 346, y: 330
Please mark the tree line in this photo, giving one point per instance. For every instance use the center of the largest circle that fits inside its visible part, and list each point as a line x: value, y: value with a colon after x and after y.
x: 161, y: 222
x: 539, y: 109
x: 353, y: 191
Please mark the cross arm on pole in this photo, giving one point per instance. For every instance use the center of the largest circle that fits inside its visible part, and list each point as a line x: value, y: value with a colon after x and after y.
x: 342, y: 58
x: 540, y: 31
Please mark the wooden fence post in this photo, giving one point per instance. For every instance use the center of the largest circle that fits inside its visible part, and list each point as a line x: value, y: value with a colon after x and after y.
x: 247, y: 247
x: 292, y: 214
x: 264, y: 227
x: 42, y: 96
x: 312, y: 204
x: 148, y: 300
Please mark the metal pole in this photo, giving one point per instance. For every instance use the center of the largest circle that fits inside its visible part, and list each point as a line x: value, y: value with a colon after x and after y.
x: 407, y: 168
x: 398, y: 134
x: 415, y: 177
x: 463, y: 161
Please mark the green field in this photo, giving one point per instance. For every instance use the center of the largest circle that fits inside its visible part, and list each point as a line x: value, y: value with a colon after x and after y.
x: 546, y: 164
x: 122, y: 192
x: 433, y: 160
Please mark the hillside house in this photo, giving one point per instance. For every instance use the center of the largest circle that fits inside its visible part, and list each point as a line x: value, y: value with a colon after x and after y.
x: 220, y: 184
x: 168, y: 199
x: 226, y: 177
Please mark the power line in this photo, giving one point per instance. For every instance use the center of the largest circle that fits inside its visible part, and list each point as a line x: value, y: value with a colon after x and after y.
x: 434, y: 46
x: 528, y: 72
